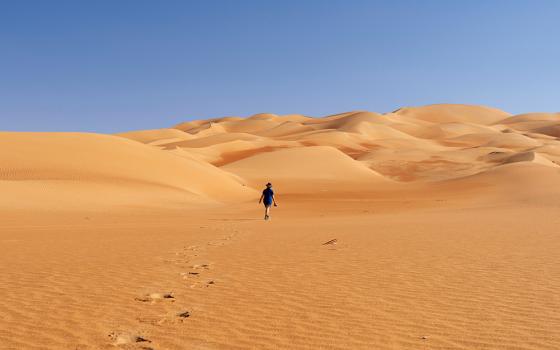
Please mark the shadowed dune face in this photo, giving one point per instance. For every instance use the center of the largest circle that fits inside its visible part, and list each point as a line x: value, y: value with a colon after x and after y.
x: 317, y: 168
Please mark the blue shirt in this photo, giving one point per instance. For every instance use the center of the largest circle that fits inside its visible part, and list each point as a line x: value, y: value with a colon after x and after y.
x: 267, y: 195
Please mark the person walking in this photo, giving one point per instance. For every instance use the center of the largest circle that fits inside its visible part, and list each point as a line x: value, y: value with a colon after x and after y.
x: 268, y: 199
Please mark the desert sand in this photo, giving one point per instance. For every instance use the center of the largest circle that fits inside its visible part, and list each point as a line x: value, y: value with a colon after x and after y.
x: 431, y: 227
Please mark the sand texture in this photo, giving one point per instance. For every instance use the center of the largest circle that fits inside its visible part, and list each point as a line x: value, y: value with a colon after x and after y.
x: 430, y: 227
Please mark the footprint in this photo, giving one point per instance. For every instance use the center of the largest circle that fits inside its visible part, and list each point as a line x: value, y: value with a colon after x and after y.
x: 201, y: 266
x: 332, y: 241
x: 153, y: 297
x: 170, y: 317
x: 189, y: 275
x: 127, y: 338
x: 205, y: 283
x: 183, y: 314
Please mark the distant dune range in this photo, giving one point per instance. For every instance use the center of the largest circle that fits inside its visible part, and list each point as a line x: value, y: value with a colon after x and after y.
x: 426, y: 144
x: 367, y: 151
x: 227, y: 159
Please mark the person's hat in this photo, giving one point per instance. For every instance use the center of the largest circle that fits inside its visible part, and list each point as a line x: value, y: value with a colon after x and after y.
x: 268, y: 184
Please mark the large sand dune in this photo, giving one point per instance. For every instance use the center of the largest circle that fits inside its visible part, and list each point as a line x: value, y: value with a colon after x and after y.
x: 429, y: 227
x: 306, y: 169
x: 66, y: 170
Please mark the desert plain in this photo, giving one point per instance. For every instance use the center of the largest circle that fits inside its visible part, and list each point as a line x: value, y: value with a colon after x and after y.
x: 432, y: 227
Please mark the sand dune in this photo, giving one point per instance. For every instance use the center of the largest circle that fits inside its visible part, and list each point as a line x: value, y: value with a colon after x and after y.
x: 308, y: 169
x: 157, y: 137
x: 447, y: 113
x: 428, y: 227
x: 385, y: 143
x: 429, y: 143
x: 67, y: 166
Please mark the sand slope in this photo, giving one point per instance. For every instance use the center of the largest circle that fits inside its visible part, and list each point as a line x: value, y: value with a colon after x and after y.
x: 64, y: 168
x: 306, y: 169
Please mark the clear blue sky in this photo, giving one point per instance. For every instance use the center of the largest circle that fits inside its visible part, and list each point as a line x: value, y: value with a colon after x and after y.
x: 116, y: 65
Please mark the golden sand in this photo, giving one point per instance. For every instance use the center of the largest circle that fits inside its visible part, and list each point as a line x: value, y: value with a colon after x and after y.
x: 430, y: 227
